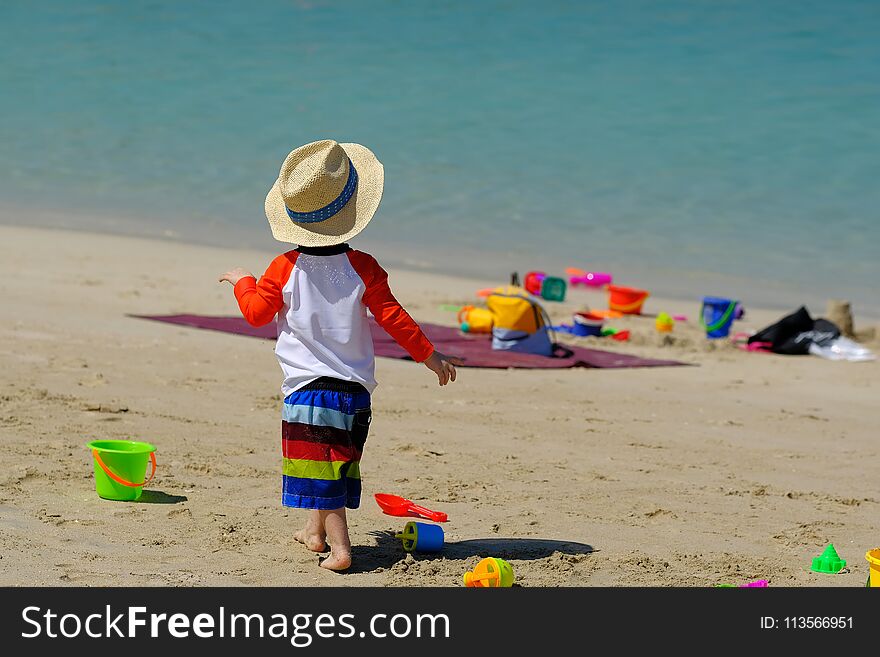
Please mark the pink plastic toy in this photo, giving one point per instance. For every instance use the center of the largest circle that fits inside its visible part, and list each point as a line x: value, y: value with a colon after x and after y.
x: 741, y: 340
x: 590, y: 278
x: 757, y: 584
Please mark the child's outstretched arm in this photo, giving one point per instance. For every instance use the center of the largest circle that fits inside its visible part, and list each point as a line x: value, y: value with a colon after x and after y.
x: 235, y: 275
x: 260, y: 301
x: 391, y: 316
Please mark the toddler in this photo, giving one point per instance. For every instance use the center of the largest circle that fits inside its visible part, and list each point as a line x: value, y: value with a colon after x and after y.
x: 318, y: 294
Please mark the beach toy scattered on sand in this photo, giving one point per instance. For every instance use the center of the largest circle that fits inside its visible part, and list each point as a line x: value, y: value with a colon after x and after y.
x: 490, y: 573
x: 873, y: 557
x: 626, y: 300
x: 717, y: 315
x: 741, y: 341
x: 120, y: 468
x: 615, y: 334
x: 620, y: 336
x: 475, y: 320
x: 757, y: 584
x: 607, y: 314
x: 394, y: 505
x: 680, y: 318
x: 533, y: 280
x: 553, y: 288
x: 587, y: 324
x: 828, y: 562
x: 421, y: 537
x: 664, y: 323
x: 590, y: 278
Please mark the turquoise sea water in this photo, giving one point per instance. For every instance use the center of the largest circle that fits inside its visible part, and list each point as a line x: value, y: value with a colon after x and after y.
x: 691, y: 147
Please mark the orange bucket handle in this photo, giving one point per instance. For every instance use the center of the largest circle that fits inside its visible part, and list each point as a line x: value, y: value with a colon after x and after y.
x: 462, y: 313
x: 119, y: 480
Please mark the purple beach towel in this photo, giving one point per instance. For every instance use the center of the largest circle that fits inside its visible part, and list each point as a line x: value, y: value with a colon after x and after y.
x: 475, y: 350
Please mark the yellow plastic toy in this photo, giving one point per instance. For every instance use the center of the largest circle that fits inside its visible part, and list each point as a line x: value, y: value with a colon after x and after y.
x: 475, y: 320
x: 873, y: 557
x: 490, y: 573
x: 664, y: 323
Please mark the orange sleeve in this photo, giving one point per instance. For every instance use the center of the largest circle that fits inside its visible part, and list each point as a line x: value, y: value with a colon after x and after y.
x: 388, y: 312
x: 261, y: 300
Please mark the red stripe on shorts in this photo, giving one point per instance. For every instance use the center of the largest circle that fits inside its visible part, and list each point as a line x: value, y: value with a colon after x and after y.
x: 305, y: 449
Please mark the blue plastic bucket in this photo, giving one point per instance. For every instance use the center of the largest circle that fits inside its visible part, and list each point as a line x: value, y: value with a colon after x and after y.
x: 421, y: 537
x: 585, y: 324
x: 430, y: 538
x: 717, y: 316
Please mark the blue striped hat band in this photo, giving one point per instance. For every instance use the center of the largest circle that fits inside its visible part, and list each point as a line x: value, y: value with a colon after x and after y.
x: 332, y: 208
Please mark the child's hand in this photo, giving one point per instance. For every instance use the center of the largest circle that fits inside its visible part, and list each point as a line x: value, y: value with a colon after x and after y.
x: 443, y: 366
x: 235, y: 275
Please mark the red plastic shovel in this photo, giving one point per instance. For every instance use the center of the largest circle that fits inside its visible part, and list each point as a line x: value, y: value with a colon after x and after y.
x: 394, y: 505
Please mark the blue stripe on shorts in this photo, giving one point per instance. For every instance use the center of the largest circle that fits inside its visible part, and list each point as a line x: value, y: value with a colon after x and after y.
x: 322, y: 494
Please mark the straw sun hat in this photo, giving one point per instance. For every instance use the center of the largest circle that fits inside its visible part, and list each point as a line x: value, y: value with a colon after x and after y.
x: 326, y: 193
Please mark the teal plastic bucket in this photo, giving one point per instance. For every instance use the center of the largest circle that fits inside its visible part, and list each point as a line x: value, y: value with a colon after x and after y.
x: 553, y: 288
x: 717, y: 316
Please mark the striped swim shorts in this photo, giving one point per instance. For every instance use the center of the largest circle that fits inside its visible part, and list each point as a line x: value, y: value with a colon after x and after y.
x: 324, y: 427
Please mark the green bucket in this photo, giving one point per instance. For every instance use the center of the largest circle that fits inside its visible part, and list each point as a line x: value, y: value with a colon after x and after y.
x: 120, y: 468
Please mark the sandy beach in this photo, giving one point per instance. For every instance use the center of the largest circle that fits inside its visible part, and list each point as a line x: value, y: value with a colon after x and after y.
x: 741, y: 466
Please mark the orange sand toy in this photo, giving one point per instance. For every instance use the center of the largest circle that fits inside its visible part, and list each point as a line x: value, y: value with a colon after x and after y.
x: 490, y: 573
x: 607, y: 314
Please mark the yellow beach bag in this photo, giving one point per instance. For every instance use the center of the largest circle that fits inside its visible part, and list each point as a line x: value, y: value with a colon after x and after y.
x: 519, y: 322
x: 513, y: 309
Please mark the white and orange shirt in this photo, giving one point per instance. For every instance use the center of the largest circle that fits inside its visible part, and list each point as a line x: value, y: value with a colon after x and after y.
x: 320, y: 297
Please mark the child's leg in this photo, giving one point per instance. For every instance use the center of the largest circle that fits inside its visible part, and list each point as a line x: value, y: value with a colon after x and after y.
x: 313, y: 534
x: 336, y: 528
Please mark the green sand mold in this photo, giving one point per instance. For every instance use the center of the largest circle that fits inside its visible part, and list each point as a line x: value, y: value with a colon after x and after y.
x: 828, y: 562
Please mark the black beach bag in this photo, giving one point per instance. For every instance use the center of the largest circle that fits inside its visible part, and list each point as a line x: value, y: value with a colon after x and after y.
x: 794, y: 333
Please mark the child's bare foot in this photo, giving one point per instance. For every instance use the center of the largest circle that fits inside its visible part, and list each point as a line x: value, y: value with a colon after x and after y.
x: 338, y: 560
x: 313, y: 535
x: 335, y: 525
x: 315, y: 542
